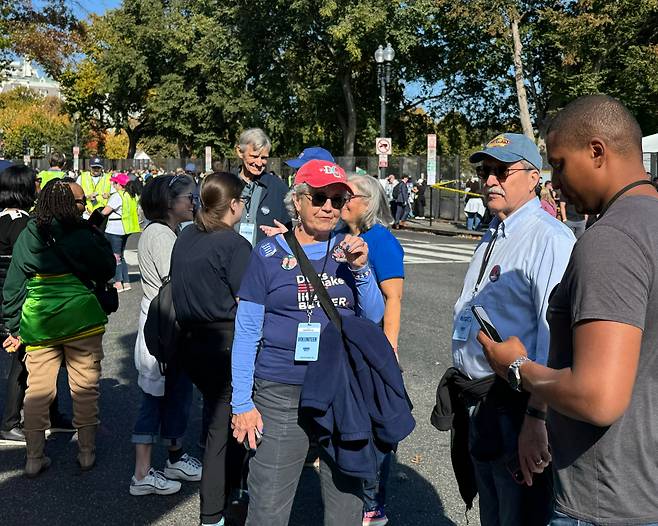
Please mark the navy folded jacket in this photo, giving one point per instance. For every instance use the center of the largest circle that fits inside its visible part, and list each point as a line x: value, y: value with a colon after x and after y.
x: 355, y: 396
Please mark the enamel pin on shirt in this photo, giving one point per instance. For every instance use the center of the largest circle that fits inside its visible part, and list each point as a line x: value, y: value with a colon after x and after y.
x: 289, y: 262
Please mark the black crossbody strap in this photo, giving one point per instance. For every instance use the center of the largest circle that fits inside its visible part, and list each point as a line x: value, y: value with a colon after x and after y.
x: 312, y: 277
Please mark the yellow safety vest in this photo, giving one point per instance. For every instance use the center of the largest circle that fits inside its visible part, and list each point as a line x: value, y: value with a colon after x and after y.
x: 49, y: 175
x: 103, y: 186
x: 129, y: 218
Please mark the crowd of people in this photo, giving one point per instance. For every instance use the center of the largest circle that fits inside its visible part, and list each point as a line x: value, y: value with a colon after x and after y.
x: 287, y: 302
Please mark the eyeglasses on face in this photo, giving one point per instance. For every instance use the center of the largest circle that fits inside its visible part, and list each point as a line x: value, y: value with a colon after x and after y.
x: 82, y: 201
x: 320, y: 198
x: 354, y: 196
x: 500, y: 172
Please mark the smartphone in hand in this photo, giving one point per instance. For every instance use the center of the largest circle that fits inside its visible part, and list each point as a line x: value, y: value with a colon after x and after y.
x: 485, y: 322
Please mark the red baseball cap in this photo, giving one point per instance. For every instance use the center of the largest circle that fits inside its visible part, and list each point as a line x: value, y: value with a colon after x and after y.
x: 318, y: 173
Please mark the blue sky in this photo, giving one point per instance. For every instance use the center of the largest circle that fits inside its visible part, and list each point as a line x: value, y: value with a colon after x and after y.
x: 82, y: 8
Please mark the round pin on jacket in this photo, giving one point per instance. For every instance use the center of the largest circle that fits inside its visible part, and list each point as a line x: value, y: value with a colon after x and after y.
x: 289, y: 262
x: 265, y: 210
x: 494, y: 275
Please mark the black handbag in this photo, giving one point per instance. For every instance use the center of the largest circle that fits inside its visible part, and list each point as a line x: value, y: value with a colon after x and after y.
x: 106, y: 294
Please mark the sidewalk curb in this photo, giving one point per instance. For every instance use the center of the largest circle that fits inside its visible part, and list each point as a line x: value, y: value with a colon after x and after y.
x: 442, y: 228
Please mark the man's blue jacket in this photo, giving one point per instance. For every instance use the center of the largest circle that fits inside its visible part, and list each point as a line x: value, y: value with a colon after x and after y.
x: 355, y: 396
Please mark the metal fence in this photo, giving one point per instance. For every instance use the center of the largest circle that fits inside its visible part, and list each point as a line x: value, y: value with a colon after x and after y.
x: 442, y: 204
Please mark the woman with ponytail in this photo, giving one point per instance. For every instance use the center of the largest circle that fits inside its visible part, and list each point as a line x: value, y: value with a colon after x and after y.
x: 207, y: 265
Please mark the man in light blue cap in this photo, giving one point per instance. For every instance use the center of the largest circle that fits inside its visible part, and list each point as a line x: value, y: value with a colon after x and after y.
x: 519, y: 261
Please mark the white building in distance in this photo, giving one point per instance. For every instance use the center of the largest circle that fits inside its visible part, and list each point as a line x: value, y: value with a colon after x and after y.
x: 21, y: 73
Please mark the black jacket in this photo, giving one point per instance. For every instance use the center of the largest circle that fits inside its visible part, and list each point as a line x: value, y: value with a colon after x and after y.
x: 271, y: 205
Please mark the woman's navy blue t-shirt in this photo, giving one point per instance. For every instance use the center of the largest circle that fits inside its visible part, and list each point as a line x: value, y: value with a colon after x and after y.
x: 286, y: 297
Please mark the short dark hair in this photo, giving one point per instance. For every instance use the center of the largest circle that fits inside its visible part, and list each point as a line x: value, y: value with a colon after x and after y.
x: 597, y: 116
x: 18, y: 187
x: 217, y: 191
x: 159, y: 193
x: 57, y: 159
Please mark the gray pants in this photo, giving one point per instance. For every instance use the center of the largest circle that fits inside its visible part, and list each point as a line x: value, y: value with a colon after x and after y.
x: 275, y: 469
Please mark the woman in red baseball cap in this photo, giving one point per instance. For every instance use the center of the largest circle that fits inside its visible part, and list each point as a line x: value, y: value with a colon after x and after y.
x: 268, y: 367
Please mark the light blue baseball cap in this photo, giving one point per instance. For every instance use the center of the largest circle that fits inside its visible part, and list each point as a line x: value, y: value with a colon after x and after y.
x: 510, y: 148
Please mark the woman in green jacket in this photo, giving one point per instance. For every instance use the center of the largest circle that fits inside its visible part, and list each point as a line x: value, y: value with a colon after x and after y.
x: 49, y: 309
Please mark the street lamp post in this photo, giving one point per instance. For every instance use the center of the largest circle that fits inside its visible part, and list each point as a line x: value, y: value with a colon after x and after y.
x: 383, y: 58
x: 76, y: 149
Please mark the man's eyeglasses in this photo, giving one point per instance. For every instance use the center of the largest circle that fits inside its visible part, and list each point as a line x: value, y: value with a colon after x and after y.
x: 82, y: 201
x: 190, y: 196
x: 500, y: 172
x: 320, y: 198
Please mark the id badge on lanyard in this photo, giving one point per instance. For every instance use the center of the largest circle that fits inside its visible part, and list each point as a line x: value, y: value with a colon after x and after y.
x: 248, y: 231
x: 463, y: 324
x: 308, y: 342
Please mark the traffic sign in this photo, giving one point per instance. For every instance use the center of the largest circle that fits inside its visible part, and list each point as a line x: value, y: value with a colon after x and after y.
x: 384, y: 146
x: 208, y: 158
x: 431, y: 159
x: 383, y: 160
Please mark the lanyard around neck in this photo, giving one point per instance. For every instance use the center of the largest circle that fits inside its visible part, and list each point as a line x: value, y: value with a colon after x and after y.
x: 622, y: 192
x: 487, y: 257
x: 311, y: 304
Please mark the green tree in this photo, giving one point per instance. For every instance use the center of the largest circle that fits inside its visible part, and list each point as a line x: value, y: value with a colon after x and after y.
x: 45, y: 31
x: 27, y: 116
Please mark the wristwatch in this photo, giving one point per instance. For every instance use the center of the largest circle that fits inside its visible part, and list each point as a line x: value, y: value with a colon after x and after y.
x: 514, y: 373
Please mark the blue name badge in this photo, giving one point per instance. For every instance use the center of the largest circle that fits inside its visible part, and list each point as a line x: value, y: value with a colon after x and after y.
x: 308, y: 342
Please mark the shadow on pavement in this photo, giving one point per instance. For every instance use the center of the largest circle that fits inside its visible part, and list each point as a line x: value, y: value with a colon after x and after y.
x: 64, y: 495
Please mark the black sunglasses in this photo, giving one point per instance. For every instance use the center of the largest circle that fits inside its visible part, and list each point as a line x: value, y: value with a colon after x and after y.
x: 500, y: 172
x: 320, y: 198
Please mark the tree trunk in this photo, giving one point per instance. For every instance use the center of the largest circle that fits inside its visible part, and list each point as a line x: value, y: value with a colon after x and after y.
x: 133, y: 138
x: 524, y: 112
x: 349, y: 130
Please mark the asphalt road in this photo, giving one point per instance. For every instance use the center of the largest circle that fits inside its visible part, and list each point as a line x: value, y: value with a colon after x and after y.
x: 422, y: 490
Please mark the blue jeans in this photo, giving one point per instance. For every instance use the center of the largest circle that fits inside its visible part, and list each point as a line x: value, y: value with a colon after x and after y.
x: 500, y: 496
x: 165, y: 417
x: 118, y: 244
x: 472, y: 220
x: 374, y: 491
x: 560, y: 519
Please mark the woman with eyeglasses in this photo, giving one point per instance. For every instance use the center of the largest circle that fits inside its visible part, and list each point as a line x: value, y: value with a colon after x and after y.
x: 367, y: 214
x: 205, y: 310
x: 122, y: 220
x: 274, y: 301
x: 166, y: 202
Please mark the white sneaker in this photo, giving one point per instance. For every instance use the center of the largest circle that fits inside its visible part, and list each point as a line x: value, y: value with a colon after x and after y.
x: 187, y: 468
x: 154, y: 482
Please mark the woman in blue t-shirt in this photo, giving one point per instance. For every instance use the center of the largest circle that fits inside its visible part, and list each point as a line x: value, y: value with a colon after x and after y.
x: 275, y: 299
x: 367, y: 214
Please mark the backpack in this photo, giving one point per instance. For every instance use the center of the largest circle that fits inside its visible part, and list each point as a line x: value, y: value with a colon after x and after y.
x: 396, y: 191
x: 162, y: 333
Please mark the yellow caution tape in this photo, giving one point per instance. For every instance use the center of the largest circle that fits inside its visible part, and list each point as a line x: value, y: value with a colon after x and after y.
x: 441, y: 186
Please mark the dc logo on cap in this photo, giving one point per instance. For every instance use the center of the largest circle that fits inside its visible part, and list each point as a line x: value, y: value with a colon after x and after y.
x: 331, y: 170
